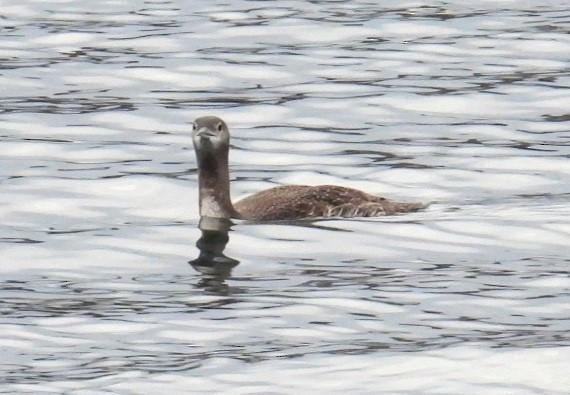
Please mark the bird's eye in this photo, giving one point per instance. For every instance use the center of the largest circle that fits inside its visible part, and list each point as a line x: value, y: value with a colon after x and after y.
x: 193, y: 126
x: 220, y: 127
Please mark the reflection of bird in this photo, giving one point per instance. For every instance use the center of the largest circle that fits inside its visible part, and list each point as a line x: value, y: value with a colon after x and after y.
x: 211, y: 140
x: 212, y: 261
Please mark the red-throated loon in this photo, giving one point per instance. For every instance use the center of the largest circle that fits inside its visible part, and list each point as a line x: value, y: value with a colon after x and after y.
x: 211, y: 138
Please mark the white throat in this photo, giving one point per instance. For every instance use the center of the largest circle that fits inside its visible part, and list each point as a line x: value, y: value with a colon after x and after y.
x: 211, y: 208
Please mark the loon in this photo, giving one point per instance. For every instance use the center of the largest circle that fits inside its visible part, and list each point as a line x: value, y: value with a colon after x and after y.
x: 211, y: 139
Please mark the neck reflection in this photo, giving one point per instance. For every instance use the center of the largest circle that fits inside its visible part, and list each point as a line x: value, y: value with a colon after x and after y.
x: 212, y: 262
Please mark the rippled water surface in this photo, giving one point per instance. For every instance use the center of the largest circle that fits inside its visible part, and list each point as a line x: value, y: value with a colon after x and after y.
x: 107, y: 284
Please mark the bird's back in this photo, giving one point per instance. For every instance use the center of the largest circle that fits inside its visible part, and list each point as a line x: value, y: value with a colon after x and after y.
x: 301, y: 201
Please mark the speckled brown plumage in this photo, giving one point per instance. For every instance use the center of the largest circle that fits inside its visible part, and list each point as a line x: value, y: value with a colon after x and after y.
x: 211, y: 143
x: 302, y: 201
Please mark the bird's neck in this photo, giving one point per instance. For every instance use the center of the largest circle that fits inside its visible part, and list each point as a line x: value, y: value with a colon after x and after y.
x: 214, y: 184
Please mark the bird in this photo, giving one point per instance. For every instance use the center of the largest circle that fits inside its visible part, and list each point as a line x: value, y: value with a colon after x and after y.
x: 211, y: 140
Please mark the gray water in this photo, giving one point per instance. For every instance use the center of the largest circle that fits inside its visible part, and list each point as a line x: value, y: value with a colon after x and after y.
x: 461, y: 105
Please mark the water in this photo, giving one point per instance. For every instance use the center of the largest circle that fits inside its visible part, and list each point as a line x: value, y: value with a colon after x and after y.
x: 464, y: 106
